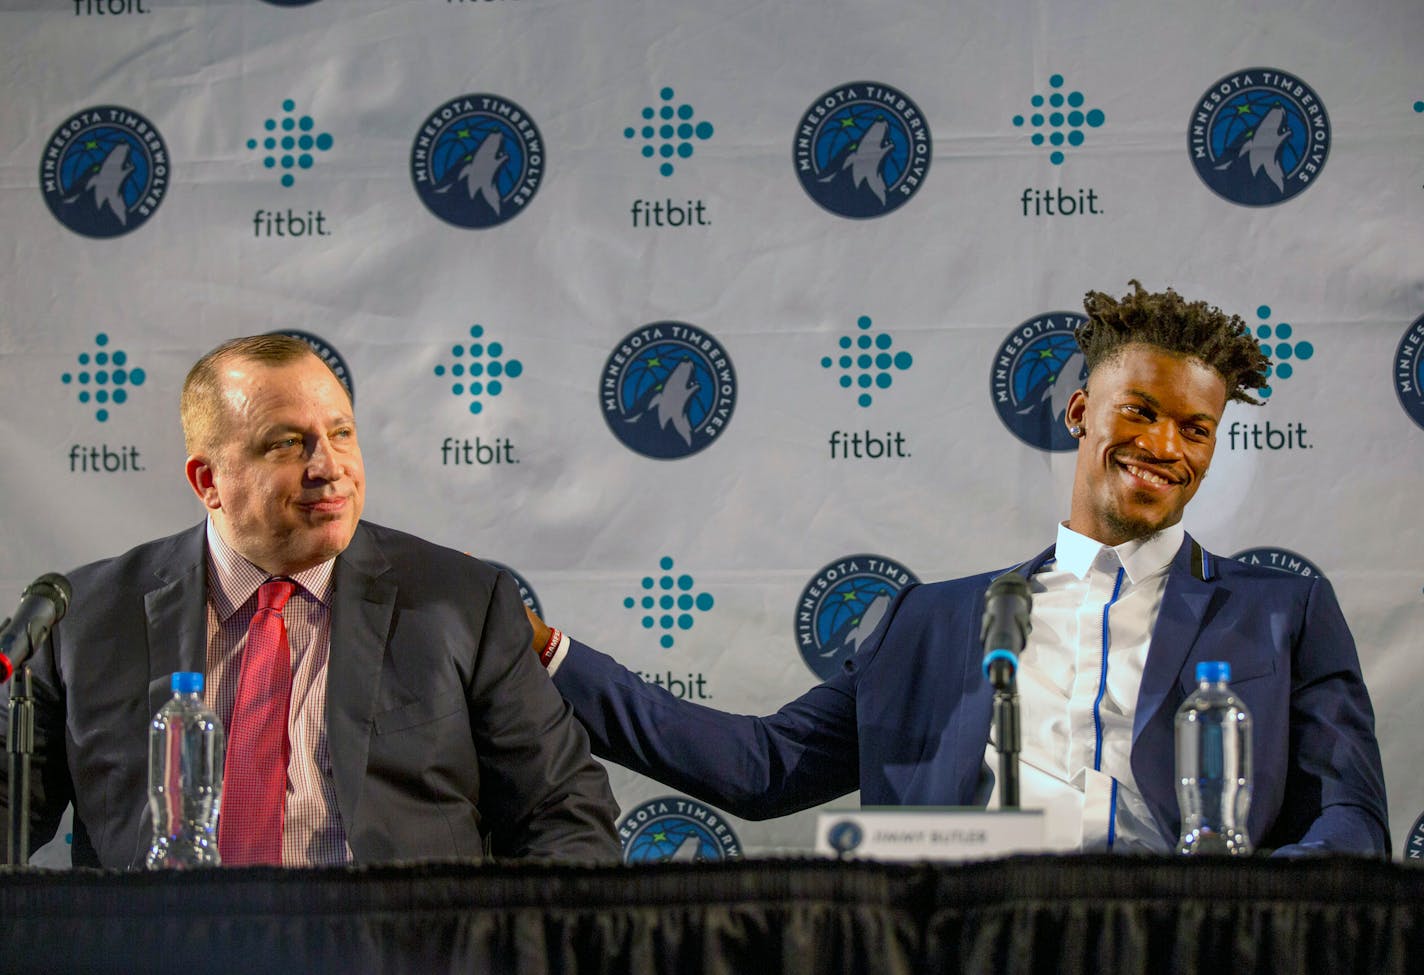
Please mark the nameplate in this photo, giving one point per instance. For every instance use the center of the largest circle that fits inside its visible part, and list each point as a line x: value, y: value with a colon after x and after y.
x: 928, y: 833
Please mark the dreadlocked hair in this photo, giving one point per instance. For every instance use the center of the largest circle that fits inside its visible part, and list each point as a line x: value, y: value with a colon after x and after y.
x: 1169, y: 322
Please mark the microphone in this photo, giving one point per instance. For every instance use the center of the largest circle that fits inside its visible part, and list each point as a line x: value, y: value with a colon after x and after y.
x: 1005, y: 628
x: 42, y: 605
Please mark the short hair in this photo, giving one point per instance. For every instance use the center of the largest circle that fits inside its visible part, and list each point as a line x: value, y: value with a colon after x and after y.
x: 1169, y: 322
x: 201, y: 406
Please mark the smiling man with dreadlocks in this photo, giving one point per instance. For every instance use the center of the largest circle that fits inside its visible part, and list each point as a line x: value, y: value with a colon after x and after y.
x: 1125, y: 604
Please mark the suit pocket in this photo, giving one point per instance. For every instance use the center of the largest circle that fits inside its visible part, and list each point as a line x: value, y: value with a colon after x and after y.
x: 1253, y: 667
x: 1248, y: 662
x: 420, y: 712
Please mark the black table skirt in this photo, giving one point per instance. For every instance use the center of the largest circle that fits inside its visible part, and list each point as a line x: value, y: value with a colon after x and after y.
x: 1097, y: 915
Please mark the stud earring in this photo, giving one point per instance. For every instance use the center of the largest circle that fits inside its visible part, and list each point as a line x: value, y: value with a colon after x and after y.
x: 1075, y: 431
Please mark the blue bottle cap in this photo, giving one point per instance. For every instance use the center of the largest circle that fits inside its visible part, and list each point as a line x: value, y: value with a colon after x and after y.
x: 187, y: 682
x: 1213, y: 671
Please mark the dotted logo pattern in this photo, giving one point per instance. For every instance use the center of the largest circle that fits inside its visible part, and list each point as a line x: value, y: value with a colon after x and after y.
x: 668, y: 132
x: 293, y: 148
x: 870, y: 354
x: 101, y: 370
x: 479, y: 369
x: 1281, y: 350
x: 1064, y: 119
x: 668, y: 602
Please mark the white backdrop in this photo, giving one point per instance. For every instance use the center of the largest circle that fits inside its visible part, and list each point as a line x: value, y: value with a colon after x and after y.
x: 961, y: 252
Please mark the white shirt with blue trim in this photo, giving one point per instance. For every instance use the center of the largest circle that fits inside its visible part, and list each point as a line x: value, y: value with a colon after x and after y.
x: 1094, y: 609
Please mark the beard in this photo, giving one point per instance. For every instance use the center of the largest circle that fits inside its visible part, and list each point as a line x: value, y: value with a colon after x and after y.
x: 1131, y: 527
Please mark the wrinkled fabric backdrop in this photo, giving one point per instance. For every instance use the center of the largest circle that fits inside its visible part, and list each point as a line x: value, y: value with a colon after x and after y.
x: 719, y: 322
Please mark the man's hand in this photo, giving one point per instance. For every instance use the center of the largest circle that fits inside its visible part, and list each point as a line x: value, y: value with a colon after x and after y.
x: 542, y: 632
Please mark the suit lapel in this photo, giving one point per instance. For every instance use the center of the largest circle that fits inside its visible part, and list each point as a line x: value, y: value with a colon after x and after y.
x: 1185, y: 612
x: 1179, y: 622
x: 176, y: 614
x: 363, y: 604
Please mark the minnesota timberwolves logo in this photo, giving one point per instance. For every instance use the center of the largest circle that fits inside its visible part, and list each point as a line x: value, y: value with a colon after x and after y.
x: 1280, y: 558
x: 845, y: 836
x: 1414, y: 845
x: 842, y: 605
x: 1034, y: 373
x: 327, y: 353
x: 527, y: 594
x: 668, y: 390
x: 477, y: 161
x: 104, y: 171
x: 673, y: 829
x: 1409, y: 371
x: 1258, y: 137
x: 862, y: 150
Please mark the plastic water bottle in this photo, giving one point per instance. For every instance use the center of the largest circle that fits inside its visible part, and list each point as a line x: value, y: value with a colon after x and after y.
x: 185, y: 769
x: 1213, y: 766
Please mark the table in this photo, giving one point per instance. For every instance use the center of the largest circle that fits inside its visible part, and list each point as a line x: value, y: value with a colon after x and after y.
x: 1061, y: 914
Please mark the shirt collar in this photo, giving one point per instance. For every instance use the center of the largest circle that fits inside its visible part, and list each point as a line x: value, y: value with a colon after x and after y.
x: 1140, y: 557
x: 232, y: 579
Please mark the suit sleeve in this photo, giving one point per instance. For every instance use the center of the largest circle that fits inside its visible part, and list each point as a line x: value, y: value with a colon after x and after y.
x: 1335, y: 794
x: 543, y: 793
x: 752, y: 767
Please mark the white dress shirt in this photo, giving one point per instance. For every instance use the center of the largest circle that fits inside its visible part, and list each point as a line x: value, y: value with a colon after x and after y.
x: 1094, y: 610
x: 312, y: 831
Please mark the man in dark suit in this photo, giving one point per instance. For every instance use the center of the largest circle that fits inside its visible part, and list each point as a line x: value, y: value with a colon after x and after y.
x: 1125, y: 605
x: 416, y: 724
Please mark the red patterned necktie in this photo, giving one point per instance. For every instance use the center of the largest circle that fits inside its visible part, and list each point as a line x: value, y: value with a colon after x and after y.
x: 255, y: 773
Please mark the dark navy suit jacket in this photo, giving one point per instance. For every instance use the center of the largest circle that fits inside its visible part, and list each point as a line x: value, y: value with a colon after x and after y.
x: 908, y: 719
x: 443, y: 731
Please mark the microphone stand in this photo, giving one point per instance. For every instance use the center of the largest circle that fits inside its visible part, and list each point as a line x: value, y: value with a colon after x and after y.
x: 1006, y: 719
x: 1002, y: 669
x: 21, y: 745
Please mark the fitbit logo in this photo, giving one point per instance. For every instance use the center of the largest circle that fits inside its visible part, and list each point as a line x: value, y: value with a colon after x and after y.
x: 1287, y: 352
x: 478, y: 370
x: 865, y: 362
x: 1057, y: 121
x: 668, y: 131
x: 290, y: 143
x: 104, y: 377
x: 667, y: 602
x: 108, y: 8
